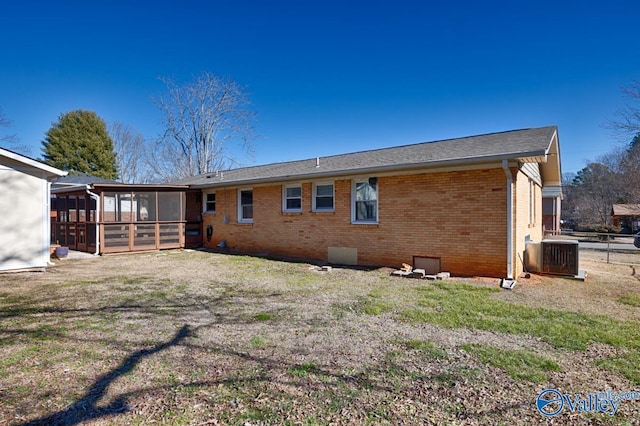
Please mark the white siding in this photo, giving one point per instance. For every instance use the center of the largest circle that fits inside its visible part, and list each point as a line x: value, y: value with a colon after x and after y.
x: 23, y: 219
x: 532, y: 170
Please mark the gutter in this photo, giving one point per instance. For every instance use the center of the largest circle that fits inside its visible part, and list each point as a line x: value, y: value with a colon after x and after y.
x: 97, y: 198
x: 509, y: 282
x: 62, y: 188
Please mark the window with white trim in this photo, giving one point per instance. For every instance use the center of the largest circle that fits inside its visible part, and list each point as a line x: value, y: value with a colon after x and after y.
x: 210, y: 202
x: 532, y: 202
x: 365, y: 201
x: 245, y: 205
x: 292, y: 198
x: 323, y: 198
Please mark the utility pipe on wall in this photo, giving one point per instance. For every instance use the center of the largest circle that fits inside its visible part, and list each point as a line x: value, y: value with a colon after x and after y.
x: 507, y: 172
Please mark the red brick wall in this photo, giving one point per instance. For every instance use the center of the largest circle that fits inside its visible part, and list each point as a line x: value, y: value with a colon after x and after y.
x: 457, y: 216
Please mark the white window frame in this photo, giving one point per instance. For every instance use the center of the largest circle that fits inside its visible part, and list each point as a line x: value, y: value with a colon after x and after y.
x: 532, y: 202
x: 241, y: 218
x: 205, y: 206
x: 354, y: 184
x: 314, y: 206
x: 285, y: 198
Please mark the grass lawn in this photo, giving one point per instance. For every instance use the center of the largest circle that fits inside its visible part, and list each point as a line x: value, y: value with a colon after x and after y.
x: 188, y: 337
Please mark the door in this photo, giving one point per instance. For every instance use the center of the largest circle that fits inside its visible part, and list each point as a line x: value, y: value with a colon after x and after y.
x: 193, y: 214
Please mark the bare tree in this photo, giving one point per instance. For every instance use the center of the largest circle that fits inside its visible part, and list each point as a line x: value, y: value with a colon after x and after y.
x: 630, y: 168
x: 6, y: 123
x: 203, y: 120
x: 627, y: 121
x: 570, y: 201
x: 597, y: 188
x: 11, y: 140
x: 131, y: 153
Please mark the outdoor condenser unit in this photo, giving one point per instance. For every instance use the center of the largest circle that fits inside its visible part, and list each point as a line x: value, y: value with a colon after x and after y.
x: 558, y: 257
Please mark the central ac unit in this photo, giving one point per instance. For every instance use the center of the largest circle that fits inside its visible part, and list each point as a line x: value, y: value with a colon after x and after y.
x: 560, y: 257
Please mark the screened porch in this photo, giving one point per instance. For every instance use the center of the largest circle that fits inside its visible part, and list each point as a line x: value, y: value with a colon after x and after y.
x: 119, y: 217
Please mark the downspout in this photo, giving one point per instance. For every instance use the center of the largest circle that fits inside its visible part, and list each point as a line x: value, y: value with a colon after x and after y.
x: 507, y: 171
x: 97, y: 198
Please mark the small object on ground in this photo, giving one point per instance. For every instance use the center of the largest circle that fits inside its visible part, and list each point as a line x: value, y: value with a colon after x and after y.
x: 582, y: 275
x: 526, y: 273
x: 62, y: 252
x: 508, y: 283
x: 421, y: 274
x: 417, y: 273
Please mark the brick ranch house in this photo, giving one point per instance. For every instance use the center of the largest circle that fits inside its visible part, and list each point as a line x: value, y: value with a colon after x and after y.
x: 626, y: 216
x: 470, y: 202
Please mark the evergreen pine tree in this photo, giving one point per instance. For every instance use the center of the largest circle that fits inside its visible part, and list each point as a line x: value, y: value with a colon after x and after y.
x: 79, y: 143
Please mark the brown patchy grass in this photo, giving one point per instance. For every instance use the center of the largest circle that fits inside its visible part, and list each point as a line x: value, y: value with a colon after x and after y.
x: 187, y: 337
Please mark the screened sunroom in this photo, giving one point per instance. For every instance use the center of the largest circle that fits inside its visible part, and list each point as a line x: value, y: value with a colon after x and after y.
x: 106, y: 218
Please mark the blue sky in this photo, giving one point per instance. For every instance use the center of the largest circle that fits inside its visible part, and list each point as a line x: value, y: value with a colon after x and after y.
x: 329, y: 77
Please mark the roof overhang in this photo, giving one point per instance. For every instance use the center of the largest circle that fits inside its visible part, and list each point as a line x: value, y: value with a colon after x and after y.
x: 117, y: 187
x: 625, y: 210
x: 49, y: 171
x: 551, y: 192
x: 551, y: 168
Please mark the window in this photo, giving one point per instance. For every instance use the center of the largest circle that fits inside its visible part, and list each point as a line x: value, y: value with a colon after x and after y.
x: 63, y: 214
x: 117, y: 207
x: 92, y: 209
x: 73, y: 212
x: 169, y: 206
x: 144, y: 204
x: 365, y: 201
x: 532, y: 202
x: 82, y: 209
x: 549, y: 206
x: 245, y: 206
x: 210, y: 203
x: 292, y: 198
x: 323, y: 197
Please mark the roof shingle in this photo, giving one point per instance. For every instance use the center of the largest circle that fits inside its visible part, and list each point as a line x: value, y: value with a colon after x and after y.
x: 525, y: 144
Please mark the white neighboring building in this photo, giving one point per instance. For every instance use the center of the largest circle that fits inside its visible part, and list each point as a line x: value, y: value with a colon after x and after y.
x: 24, y: 211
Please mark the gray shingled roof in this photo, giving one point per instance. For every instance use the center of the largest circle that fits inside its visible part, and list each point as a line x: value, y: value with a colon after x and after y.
x: 82, y: 179
x: 524, y: 145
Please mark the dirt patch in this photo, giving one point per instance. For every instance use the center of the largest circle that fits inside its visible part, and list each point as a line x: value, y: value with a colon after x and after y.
x: 599, y: 294
x: 188, y: 337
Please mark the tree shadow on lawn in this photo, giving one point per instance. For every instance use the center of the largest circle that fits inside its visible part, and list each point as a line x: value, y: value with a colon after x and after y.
x: 87, y: 409
x: 374, y: 378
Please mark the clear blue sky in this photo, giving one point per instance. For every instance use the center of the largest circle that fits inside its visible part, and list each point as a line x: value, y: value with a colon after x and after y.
x: 329, y: 77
